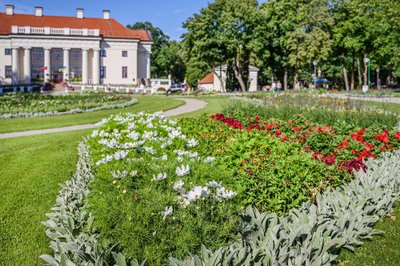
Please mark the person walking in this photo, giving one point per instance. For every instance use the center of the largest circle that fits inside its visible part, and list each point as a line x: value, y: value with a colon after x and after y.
x: 279, y: 86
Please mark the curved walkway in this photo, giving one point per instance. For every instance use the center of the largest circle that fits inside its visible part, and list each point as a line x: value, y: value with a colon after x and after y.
x: 190, y: 106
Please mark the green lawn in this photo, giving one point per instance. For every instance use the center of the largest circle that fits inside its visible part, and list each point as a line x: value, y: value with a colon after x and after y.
x: 215, y: 105
x: 146, y: 103
x: 382, y: 250
x: 31, y: 169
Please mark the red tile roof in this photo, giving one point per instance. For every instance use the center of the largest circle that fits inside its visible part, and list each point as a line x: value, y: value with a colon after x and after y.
x: 108, y: 27
x: 207, y: 79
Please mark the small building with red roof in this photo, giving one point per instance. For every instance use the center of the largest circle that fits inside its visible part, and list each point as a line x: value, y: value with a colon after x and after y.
x: 212, y: 82
x: 39, y: 47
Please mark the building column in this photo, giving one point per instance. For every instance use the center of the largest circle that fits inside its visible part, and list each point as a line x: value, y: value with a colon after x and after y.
x: 84, y: 66
x: 27, y: 65
x: 96, y: 66
x: 47, y: 65
x: 15, y: 66
x: 66, y: 64
x: 147, y: 65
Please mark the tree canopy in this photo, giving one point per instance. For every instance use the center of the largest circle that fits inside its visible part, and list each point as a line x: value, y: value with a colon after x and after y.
x: 287, y: 40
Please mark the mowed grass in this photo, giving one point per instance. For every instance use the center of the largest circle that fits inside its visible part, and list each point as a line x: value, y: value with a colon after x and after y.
x: 215, y: 105
x: 146, y: 103
x: 383, y: 250
x: 31, y: 169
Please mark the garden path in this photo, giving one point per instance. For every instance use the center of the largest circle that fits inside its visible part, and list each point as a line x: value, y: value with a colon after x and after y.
x: 190, y: 106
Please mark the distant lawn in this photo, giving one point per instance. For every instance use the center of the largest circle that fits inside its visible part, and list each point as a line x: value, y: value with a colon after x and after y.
x: 31, y: 169
x: 215, y: 105
x: 382, y: 250
x: 146, y: 103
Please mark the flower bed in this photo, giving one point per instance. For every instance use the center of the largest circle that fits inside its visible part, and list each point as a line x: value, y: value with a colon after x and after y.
x: 169, y: 190
x: 35, y: 105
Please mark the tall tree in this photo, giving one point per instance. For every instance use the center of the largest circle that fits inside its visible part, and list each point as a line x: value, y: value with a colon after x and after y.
x: 310, y: 39
x: 160, y: 39
x: 223, y: 33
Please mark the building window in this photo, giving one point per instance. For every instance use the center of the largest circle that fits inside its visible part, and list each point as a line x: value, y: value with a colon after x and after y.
x: 124, y: 72
x: 124, y: 53
x: 8, y: 73
x: 103, y: 53
x: 8, y: 51
x: 102, y: 72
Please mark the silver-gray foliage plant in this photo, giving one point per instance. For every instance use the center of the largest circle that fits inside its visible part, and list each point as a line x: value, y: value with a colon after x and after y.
x: 309, y: 235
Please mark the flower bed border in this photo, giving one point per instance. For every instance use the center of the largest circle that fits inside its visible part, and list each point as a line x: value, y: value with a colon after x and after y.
x: 72, y: 111
x: 312, y: 233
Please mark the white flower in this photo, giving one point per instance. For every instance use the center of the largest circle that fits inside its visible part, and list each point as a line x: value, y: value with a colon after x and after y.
x: 133, y: 173
x: 183, y: 170
x: 133, y: 135
x: 192, y: 143
x: 197, y: 193
x: 214, y: 184
x: 150, y: 150
x: 174, y: 133
x: 209, y: 159
x: 104, y: 160
x: 118, y: 174
x: 95, y: 133
x: 178, y: 186
x: 119, y: 155
x: 159, y: 176
x: 183, y: 201
x: 224, y: 193
x: 179, y: 159
x: 168, y: 211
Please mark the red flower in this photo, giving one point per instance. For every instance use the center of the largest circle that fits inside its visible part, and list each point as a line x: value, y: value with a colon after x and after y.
x: 345, y: 143
x: 383, y: 137
x: 397, y: 136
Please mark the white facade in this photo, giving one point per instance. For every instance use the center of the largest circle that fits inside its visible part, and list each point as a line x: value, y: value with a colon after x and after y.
x: 219, y: 74
x: 83, y: 55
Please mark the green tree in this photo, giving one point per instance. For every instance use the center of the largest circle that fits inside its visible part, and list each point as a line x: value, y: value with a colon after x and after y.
x: 170, y: 61
x: 223, y: 33
x: 160, y: 39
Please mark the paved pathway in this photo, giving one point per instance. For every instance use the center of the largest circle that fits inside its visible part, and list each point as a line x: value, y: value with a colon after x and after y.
x: 190, y: 106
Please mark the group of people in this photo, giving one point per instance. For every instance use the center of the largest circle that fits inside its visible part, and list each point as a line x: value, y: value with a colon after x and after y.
x: 276, y: 87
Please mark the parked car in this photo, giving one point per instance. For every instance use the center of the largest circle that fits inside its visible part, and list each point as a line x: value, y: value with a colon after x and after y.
x: 176, y: 88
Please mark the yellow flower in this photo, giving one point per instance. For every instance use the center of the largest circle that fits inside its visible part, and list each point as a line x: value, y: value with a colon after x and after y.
x: 124, y: 191
x: 114, y: 182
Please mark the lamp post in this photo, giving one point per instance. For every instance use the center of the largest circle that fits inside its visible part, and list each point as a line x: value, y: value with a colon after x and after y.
x: 315, y: 63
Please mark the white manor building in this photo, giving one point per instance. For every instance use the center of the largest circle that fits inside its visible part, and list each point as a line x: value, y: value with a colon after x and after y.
x: 37, y: 47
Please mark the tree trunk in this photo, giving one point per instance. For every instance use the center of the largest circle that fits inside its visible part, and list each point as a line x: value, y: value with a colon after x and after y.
x: 359, y: 72
x: 352, y: 73
x: 239, y: 77
x: 346, y: 80
x: 221, y: 80
x: 365, y: 71
x: 296, y: 76
x: 285, y: 78
x: 378, y: 81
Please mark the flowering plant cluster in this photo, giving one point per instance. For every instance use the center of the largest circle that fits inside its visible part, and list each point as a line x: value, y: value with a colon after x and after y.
x: 347, y: 150
x: 152, y: 179
x: 37, y: 105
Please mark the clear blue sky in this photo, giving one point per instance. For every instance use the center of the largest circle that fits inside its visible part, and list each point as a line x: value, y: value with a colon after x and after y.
x: 166, y: 14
